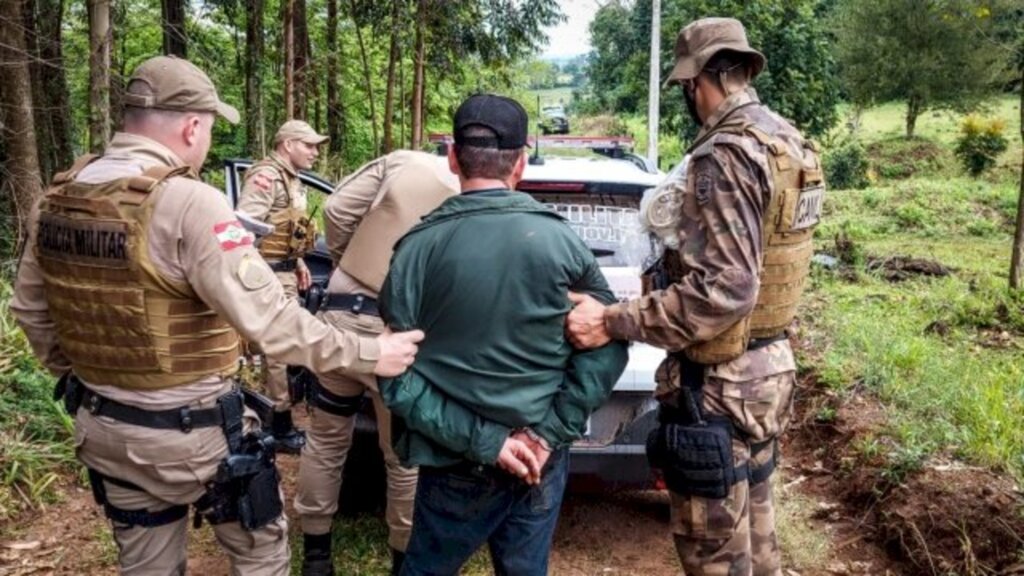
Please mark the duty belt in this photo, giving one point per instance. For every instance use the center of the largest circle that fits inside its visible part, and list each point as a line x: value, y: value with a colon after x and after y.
x: 284, y: 265
x: 184, y: 418
x: 355, y: 303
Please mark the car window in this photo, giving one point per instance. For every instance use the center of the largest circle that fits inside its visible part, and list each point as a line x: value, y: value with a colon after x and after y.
x: 612, y: 232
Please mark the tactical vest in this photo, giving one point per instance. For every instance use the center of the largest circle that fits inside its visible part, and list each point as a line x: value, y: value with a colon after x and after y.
x: 409, y: 196
x: 793, y: 211
x: 294, y: 232
x: 117, y: 319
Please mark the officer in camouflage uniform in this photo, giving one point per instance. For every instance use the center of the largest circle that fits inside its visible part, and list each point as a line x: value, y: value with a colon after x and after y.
x: 273, y: 193
x: 720, y: 306
x: 366, y: 215
x: 135, y: 285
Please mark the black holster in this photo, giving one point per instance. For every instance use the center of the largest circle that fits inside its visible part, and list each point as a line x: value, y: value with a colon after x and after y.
x: 299, y: 382
x: 245, y: 488
x: 333, y: 403
x: 69, y: 389
x: 694, y: 450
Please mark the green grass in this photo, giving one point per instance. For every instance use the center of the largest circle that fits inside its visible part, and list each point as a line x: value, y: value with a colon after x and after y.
x: 34, y: 431
x: 361, y: 549
x: 942, y: 354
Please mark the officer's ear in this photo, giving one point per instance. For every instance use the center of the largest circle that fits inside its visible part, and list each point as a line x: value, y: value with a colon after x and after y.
x: 453, y: 161
x: 191, y: 129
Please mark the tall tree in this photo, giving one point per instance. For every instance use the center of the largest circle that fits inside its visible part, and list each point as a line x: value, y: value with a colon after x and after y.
x: 118, y: 62
x: 288, y: 6
x: 55, y: 83
x: 99, y: 74
x: 255, y: 138
x: 926, y: 53
x: 335, y: 102
x: 1017, y: 261
x: 173, y: 24
x: 367, y: 73
x: 418, y: 63
x: 301, y: 59
x: 17, y: 127
x: 389, y: 96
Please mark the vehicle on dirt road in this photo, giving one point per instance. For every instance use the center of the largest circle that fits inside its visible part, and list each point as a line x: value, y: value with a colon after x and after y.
x: 599, y: 195
x: 553, y: 120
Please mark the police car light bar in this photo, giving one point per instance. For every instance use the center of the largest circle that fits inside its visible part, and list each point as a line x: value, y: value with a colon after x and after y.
x: 578, y: 142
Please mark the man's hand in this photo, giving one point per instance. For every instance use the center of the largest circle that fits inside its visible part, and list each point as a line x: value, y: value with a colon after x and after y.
x: 302, y: 275
x: 584, y: 326
x: 538, y: 446
x: 262, y: 180
x: 517, y: 459
x: 397, y: 351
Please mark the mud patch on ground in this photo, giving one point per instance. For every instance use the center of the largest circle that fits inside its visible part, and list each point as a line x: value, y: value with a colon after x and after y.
x: 954, y: 519
x: 944, y: 518
x: 901, y: 268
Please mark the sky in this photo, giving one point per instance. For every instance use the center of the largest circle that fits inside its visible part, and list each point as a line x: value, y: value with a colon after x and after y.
x: 571, y: 37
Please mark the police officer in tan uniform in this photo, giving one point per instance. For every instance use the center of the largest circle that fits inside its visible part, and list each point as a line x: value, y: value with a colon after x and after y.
x: 720, y: 305
x: 368, y: 212
x: 135, y: 285
x: 273, y: 193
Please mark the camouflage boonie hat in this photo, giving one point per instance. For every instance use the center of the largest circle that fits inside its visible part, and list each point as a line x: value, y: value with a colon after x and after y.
x: 172, y: 83
x: 298, y: 130
x: 702, y: 39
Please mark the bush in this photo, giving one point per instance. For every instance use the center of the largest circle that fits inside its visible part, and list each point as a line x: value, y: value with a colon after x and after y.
x: 846, y: 166
x: 981, y: 141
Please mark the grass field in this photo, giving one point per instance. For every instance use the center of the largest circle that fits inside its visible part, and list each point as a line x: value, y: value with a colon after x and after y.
x: 942, y: 353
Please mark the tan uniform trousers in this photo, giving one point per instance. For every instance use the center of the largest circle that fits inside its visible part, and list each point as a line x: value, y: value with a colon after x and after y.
x: 329, y: 439
x: 276, y: 385
x: 172, y: 468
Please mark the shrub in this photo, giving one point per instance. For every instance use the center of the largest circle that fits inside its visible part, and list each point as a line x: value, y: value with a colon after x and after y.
x: 846, y: 166
x: 980, y: 142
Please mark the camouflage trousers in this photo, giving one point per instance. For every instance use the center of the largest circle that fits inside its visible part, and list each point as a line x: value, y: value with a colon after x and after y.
x: 735, y: 536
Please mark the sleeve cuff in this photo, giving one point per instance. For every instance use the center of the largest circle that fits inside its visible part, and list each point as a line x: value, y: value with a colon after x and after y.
x: 618, y: 320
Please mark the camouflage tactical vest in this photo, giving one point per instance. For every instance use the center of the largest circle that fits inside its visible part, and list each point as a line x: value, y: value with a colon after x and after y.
x: 792, y: 212
x: 117, y: 319
x: 294, y: 232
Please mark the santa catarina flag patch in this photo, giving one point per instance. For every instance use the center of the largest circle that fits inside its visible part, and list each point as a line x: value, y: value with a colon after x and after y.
x: 232, y: 234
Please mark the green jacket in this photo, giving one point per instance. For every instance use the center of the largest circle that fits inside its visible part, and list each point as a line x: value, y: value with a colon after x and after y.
x: 486, y: 276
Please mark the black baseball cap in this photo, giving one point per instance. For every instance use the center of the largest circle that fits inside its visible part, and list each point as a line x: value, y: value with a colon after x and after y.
x: 504, y: 116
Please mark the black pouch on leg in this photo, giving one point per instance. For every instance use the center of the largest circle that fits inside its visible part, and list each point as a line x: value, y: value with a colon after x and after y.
x: 697, y: 460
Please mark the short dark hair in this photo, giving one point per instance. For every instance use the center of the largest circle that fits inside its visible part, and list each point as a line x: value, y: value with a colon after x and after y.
x: 476, y: 162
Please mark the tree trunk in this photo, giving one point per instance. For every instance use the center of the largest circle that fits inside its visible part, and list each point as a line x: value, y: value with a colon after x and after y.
x: 41, y: 112
x: 389, y: 97
x: 335, y: 106
x: 173, y: 22
x: 914, y: 107
x: 369, y: 83
x: 300, y: 51
x: 417, y: 81
x: 17, y: 127
x: 55, y: 84
x: 1017, y: 261
x: 254, y: 136
x: 289, y: 59
x: 118, y: 63
x: 99, y: 74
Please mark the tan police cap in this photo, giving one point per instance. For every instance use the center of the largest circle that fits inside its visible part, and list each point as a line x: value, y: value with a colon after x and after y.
x: 298, y: 130
x: 701, y: 39
x: 172, y: 83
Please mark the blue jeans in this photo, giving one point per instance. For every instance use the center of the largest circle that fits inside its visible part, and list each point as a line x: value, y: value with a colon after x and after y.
x: 460, y: 507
